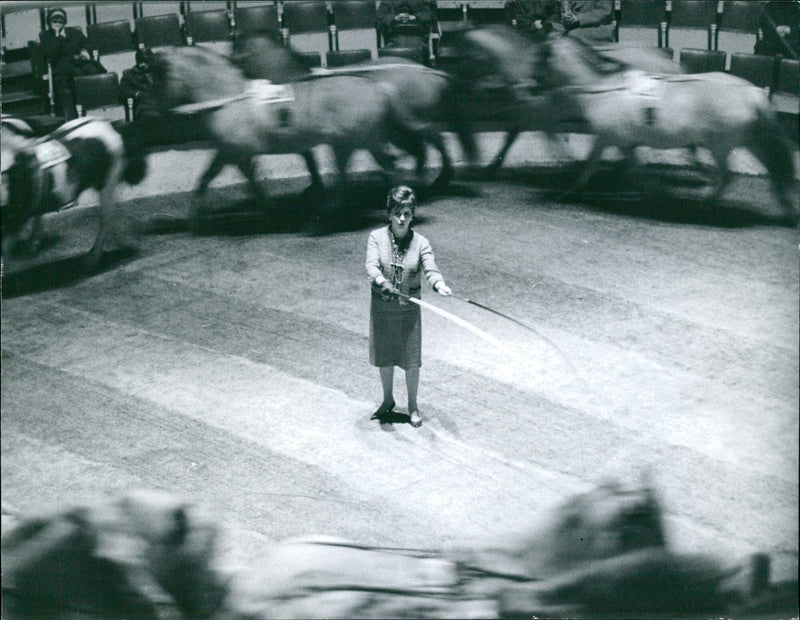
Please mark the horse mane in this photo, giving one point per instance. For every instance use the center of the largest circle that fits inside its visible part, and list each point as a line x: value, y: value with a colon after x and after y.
x: 597, y: 61
x: 260, y: 56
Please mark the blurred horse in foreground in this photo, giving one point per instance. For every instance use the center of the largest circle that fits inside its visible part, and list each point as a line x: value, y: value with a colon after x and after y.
x: 600, y: 554
x: 498, y: 74
x: 42, y: 175
x: 147, y: 554
x: 246, y: 118
x: 426, y: 96
x: 629, y: 108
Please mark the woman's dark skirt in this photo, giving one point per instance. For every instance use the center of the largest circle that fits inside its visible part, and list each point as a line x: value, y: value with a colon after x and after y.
x: 395, y: 334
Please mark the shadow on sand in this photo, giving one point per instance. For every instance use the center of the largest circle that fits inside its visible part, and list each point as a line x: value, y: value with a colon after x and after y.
x: 391, y: 417
x: 360, y: 206
x: 662, y: 193
x: 61, y: 273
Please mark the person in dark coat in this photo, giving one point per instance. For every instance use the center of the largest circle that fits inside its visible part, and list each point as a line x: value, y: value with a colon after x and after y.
x: 533, y: 17
x: 397, y: 259
x: 136, y: 84
x: 150, y: 126
x: 63, y: 48
x: 778, y: 23
x: 588, y: 20
x: 396, y: 21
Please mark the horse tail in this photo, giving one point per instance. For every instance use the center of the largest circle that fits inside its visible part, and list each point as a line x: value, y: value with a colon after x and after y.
x: 135, y: 158
x: 460, y: 120
x: 769, y: 143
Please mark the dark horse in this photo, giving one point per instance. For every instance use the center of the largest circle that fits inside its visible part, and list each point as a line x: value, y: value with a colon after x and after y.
x: 246, y: 118
x: 425, y: 97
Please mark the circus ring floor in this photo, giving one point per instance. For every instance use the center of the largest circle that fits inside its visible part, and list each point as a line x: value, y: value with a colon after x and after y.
x: 232, y: 366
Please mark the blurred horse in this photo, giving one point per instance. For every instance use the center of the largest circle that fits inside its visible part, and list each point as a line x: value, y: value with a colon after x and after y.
x: 246, y: 118
x: 600, y: 554
x: 497, y: 69
x: 45, y: 174
x: 628, y: 108
x: 426, y: 96
x: 146, y: 554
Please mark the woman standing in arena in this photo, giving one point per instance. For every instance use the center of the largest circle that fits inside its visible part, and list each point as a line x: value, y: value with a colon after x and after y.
x: 397, y: 257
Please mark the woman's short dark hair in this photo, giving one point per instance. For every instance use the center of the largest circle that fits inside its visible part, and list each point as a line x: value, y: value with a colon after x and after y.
x: 401, y: 196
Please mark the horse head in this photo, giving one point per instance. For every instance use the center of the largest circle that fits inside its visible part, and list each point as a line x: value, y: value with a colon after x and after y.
x: 570, y: 61
x: 261, y: 57
x: 607, y: 521
x: 497, y: 56
x: 124, y: 558
x: 21, y: 176
x: 193, y: 73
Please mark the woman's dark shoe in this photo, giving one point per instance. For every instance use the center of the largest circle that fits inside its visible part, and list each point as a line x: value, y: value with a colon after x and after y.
x: 382, y: 410
x: 415, y: 419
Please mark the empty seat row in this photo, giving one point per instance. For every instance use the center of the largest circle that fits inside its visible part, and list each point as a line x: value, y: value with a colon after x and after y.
x: 773, y: 72
x: 711, y: 16
x: 221, y: 26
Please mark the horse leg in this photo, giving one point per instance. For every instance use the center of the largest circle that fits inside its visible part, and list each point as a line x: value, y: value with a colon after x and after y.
x: 723, y: 177
x: 329, y: 207
x: 446, y: 175
x: 413, y: 143
x: 198, y: 203
x: 214, y: 168
x: 246, y: 164
x: 589, y: 169
x: 492, y: 168
x: 387, y: 162
x: 92, y: 259
x: 317, y: 186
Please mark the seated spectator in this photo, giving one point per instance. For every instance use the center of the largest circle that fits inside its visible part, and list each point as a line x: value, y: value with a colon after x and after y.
x: 66, y: 51
x: 778, y: 22
x: 589, y: 20
x: 533, y: 17
x: 136, y: 84
x: 150, y: 125
x: 396, y: 19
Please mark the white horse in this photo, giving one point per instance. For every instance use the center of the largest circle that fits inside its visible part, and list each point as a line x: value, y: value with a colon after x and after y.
x: 45, y: 174
x: 628, y: 108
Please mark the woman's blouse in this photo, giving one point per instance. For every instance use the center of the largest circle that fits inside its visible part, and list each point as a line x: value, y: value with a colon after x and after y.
x: 403, y: 269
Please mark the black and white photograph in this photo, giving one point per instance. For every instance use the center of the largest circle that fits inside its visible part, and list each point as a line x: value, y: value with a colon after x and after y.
x: 400, y: 309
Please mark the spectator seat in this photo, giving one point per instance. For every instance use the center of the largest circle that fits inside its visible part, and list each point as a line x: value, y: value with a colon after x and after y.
x: 739, y: 16
x: 354, y: 28
x: 342, y: 58
x: 109, y: 38
x: 112, y: 44
x: 100, y: 95
x: 211, y: 28
x: 158, y: 31
x: 41, y: 76
x: 788, y: 76
x: 692, y: 13
x: 757, y: 69
x: 412, y: 53
x: 737, y: 26
x: 689, y: 23
x: 307, y: 25
x: 249, y: 20
x: 702, y: 60
x: 784, y: 96
x: 310, y: 59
